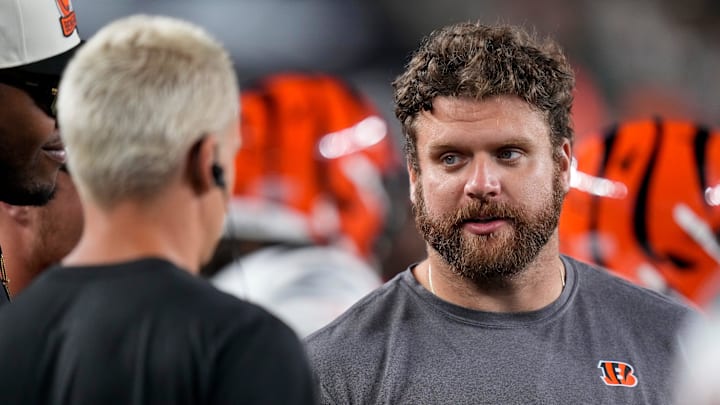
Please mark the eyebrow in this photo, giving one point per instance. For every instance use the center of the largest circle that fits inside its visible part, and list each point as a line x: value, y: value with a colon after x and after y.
x: 522, y: 141
x: 519, y: 141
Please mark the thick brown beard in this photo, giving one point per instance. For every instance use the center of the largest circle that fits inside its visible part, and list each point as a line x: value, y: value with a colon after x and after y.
x: 498, y: 256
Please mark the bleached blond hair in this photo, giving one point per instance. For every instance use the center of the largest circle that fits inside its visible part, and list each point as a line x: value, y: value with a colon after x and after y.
x: 135, y: 98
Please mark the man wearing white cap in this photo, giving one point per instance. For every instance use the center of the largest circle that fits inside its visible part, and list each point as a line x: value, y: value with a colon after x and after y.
x: 37, y: 38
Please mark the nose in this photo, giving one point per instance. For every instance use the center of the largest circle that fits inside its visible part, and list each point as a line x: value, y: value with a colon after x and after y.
x: 484, y: 179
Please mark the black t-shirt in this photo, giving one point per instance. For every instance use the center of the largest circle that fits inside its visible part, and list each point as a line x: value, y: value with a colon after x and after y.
x: 144, y: 332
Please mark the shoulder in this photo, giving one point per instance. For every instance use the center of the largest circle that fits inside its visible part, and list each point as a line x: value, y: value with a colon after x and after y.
x: 345, y: 354
x: 256, y: 352
x: 243, y: 333
x: 363, y: 324
x: 606, y: 290
x: 226, y: 311
x: 222, y: 316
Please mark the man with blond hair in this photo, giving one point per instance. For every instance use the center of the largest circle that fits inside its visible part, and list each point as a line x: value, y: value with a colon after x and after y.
x: 149, y: 110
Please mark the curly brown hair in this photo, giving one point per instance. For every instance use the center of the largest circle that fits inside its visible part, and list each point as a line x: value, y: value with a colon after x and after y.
x: 479, y: 61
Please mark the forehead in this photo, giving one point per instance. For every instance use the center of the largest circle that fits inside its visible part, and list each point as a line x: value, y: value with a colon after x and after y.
x: 493, y: 119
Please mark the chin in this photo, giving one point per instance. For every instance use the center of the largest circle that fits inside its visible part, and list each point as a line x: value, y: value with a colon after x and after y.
x: 29, y: 185
x: 34, y: 194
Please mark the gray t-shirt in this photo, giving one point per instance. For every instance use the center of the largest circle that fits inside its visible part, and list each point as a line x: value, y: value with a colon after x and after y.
x: 603, y: 341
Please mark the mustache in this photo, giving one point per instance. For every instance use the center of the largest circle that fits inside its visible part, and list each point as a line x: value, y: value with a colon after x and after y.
x: 477, y: 209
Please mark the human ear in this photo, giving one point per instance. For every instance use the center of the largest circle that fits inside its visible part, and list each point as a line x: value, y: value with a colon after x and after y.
x: 412, y: 175
x: 201, y: 161
x: 565, y: 164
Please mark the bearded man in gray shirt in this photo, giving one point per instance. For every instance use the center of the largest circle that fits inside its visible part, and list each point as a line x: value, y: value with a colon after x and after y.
x: 495, y: 314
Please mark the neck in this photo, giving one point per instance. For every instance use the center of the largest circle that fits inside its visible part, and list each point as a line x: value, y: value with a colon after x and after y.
x: 16, y: 257
x: 167, y: 229
x: 537, y: 286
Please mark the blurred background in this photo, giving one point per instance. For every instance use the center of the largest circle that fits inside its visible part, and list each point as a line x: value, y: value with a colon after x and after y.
x: 634, y: 59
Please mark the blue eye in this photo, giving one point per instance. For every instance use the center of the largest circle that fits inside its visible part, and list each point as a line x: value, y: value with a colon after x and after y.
x: 508, y: 154
x: 449, y: 159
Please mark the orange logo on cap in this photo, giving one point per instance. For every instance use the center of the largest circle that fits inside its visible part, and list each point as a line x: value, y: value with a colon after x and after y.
x: 68, y: 21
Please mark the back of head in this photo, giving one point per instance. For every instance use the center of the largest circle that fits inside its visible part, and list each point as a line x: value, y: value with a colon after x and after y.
x: 313, y: 163
x: 477, y: 61
x: 135, y: 98
x: 646, y: 204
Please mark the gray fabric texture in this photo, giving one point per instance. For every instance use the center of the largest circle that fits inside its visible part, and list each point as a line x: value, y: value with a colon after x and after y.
x: 402, y: 345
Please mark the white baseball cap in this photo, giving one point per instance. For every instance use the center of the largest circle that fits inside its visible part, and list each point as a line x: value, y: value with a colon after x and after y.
x: 37, y: 36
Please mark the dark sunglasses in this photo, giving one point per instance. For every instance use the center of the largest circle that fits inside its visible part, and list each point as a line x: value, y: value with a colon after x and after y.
x: 43, y: 89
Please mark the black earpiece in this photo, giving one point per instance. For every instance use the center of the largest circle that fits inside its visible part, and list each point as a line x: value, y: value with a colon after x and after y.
x: 218, y: 175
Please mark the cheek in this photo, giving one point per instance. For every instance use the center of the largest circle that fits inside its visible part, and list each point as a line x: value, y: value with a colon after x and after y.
x: 535, y: 188
x: 441, y: 193
x: 23, y: 135
x: 23, y: 120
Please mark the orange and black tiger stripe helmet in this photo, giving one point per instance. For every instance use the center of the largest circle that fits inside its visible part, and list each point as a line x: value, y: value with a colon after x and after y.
x: 645, y: 203
x: 315, y: 146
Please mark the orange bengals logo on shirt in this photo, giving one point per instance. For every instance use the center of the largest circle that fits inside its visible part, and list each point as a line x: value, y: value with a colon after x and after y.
x: 68, y: 20
x: 617, y: 373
